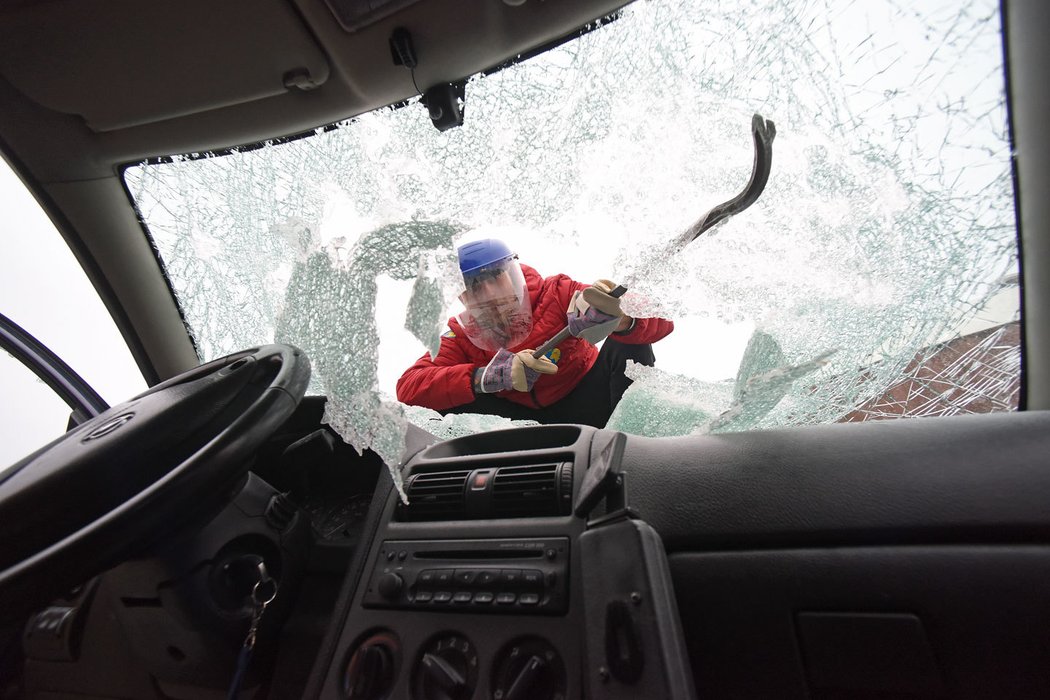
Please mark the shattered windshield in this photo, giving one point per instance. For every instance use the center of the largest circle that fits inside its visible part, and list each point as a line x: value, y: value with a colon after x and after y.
x: 875, y: 277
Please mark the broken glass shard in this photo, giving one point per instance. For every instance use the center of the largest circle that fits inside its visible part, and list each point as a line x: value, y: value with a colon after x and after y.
x: 456, y: 425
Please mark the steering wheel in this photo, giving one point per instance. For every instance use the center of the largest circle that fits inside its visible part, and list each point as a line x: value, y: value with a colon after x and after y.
x: 169, y: 458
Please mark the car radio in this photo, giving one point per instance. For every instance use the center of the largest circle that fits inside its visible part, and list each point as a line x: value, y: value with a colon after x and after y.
x: 515, y: 576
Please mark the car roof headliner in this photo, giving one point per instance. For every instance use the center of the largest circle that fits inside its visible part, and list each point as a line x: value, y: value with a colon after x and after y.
x: 86, y: 85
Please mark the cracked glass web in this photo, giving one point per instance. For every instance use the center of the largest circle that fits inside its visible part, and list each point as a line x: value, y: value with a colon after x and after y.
x: 874, y: 278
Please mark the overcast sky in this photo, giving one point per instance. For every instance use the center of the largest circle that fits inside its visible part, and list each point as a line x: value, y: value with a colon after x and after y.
x: 44, y: 290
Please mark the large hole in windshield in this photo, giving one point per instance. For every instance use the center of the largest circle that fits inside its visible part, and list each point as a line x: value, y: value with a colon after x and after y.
x: 875, y: 277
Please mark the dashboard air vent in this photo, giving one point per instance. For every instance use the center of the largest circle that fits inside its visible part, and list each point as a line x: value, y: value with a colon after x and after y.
x: 437, y: 495
x: 526, y: 491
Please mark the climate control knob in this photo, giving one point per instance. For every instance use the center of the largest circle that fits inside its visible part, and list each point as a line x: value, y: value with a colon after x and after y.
x: 372, y: 667
x: 447, y: 670
x: 529, y: 668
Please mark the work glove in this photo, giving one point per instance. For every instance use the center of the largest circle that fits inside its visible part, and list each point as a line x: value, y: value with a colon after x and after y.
x: 593, y: 314
x: 518, y: 371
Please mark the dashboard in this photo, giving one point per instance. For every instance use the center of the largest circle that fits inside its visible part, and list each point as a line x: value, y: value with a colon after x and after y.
x: 488, y: 585
x: 889, y: 559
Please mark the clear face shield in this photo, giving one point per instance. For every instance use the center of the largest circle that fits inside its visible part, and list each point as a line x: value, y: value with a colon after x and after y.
x: 498, y: 313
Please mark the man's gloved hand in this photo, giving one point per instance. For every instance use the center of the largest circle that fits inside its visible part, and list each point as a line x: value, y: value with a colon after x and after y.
x: 593, y: 314
x: 508, y: 370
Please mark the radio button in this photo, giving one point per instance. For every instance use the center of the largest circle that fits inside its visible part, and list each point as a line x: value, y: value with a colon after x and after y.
x: 528, y: 598
x: 483, y: 597
x: 423, y: 596
x: 425, y: 578
x: 462, y: 597
x: 442, y: 597
x: 486, y: 577
x: 465, y: 577
x: 443, y: 577
x: 532, y: 578
x: 510, y: 577
x: 506, y: 598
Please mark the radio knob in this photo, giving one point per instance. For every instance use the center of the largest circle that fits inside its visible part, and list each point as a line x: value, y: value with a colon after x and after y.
x: 390, y: 586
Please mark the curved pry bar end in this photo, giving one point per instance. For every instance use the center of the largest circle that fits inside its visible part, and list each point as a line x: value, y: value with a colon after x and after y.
x: 764, y: 128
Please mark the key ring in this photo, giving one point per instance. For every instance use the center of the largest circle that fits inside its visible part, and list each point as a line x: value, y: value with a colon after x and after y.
x: 265, y: 589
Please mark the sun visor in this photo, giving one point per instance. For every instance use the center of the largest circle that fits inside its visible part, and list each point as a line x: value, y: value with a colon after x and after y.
x: 166, y: 60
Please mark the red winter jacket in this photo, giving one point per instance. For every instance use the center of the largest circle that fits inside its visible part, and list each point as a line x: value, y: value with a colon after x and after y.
x: 447, y: 380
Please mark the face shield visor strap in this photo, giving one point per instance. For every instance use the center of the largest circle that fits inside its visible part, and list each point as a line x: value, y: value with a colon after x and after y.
x: 498, y: 312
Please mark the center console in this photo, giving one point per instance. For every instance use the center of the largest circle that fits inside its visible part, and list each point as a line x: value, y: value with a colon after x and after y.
x: 478, y: 589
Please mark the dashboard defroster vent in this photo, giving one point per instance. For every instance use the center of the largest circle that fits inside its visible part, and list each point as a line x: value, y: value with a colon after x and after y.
x: 526, y: 491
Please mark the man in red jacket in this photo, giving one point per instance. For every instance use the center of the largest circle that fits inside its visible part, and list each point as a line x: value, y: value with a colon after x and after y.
x: 485, y: 362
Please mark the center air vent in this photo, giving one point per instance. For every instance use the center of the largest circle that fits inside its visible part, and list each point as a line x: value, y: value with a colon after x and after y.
x: 436, y: 496
x: 527, y: 491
